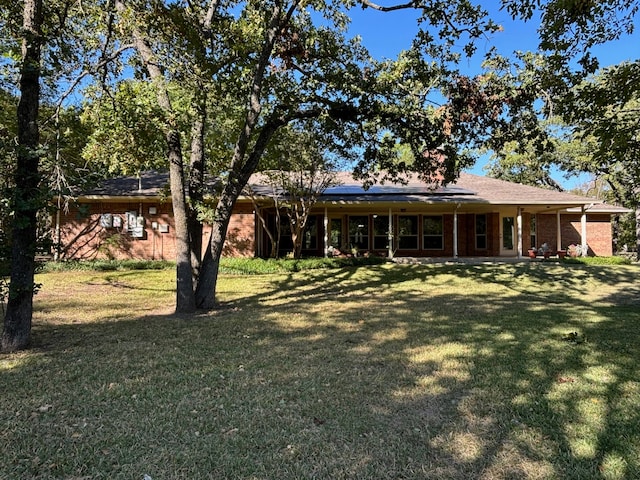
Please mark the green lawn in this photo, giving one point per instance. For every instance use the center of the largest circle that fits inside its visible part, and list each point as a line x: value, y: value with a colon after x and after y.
x: 380, y: 372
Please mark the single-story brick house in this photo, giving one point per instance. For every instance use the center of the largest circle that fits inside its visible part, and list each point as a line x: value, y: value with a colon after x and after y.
x: 131, y: 217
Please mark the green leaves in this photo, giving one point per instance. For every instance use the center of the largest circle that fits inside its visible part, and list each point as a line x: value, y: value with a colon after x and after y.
x: 127, y: 130
x: 605, y: 111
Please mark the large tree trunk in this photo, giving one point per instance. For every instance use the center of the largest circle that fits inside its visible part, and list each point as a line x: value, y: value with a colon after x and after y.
x: 16, y: 333
x: 207, y: 283
x: 238, y: 178
x: 185, y: 299
x: 196, y: 186
x: 242, y: 166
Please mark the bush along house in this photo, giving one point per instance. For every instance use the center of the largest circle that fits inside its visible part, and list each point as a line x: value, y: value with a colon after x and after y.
x: 131, y: 217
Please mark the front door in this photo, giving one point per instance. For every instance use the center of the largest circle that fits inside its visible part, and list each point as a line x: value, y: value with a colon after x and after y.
x: 508, y: 236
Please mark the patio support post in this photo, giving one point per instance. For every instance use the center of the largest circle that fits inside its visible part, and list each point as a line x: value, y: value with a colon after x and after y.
x: 390, y: 236
x: 583, y: 224
x: 519, y: 231
x: 455, y: 232
x: 326, y: 233
x: 559, y: 231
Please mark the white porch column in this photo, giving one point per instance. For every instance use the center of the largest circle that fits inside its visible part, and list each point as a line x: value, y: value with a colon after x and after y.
x: 559, y: 231
x: 455, y: 232
x: 583, y: 224
x: 326, y: 233
x: 390, y: 236
x: 519, y: 231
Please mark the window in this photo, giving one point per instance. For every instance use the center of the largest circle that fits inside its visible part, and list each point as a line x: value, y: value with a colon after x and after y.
x: 310, y: 235
x: 286, y: 242
x: 481, y: 232
x: 335, y: 239
x: 359, y: 232
x: 432, y: 231
x: 380, y: 232
x: 532, y: 228
x: 407, y: 232
x: 508, y: 233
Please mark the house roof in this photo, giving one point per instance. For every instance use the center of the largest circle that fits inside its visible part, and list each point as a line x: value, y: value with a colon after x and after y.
x: 469, y: 189
x: 147, y: 184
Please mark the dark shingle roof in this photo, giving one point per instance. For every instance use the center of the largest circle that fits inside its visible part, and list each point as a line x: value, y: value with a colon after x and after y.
x: 469, y: 189
x: 148, y: 184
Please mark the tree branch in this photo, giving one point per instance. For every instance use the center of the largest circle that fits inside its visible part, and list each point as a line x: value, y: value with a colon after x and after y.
x: 380, y: 8
x: 213, y: 6
x: 85, y: 73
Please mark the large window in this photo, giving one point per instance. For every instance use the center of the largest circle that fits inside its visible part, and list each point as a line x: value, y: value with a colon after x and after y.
x: 310, y: 235
x: 407, y: 232
x: 380, y: 232
x: 286, y: 242
x: 532, y: 228
x: 508, y: 233
x: 359, y: 232
x: 481, y: 232
x: 335, y: 240
x: 432, y: 231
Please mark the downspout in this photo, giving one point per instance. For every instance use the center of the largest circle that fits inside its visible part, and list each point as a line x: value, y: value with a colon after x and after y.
x: 455, y: 231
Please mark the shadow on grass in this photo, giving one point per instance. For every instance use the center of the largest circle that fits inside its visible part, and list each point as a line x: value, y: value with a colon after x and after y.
x: 384, y: 372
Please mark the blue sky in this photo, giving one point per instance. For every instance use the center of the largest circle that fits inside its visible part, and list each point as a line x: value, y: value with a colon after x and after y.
x: 386, y: 34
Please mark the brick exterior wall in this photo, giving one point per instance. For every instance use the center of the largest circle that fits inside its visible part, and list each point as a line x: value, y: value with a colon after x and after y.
x: 240, y: 240
x: 599, y: 232
x: 84, y: 238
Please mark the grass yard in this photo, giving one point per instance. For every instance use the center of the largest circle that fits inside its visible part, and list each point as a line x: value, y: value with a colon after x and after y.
x: 379, y: 372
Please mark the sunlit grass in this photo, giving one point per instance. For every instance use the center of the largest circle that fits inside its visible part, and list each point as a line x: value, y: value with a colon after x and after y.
x: 389, y: 371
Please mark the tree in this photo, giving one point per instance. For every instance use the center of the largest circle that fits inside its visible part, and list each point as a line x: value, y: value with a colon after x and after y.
x: 523, y: 162
x: 301, y: 175
x: 42, y: 51
x: 292, y: 71
x: 610, y: 125
x: 303, y: 188
x: 124, y: 138
x: 16, y: 333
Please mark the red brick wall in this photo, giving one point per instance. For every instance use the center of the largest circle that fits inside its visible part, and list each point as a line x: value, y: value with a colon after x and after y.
x: 240, y: 241
x: 599, y: 232
x: 82, y: 237
x: 546, y: 231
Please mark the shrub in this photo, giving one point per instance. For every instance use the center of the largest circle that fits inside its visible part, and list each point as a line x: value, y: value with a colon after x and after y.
x: 598, y: 260
x: 241, y: 266
x: 105, y: 265
x: 259, y: 266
